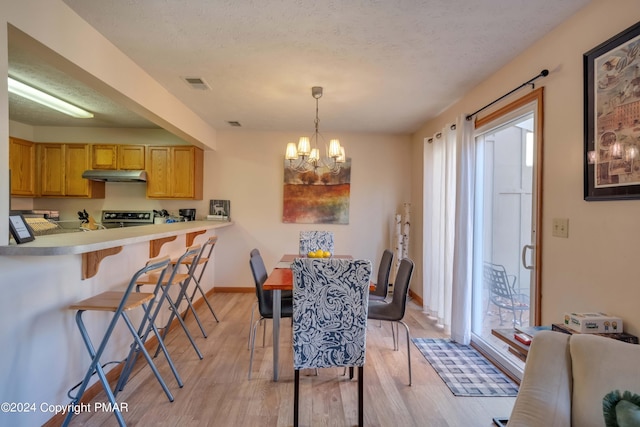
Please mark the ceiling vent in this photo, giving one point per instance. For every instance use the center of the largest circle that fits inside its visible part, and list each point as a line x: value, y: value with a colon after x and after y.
x: 197, y: 83
x: 234, y: 124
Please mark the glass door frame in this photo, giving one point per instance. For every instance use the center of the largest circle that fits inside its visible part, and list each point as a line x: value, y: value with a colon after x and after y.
x: 535, y: 96
x: 494, y: 120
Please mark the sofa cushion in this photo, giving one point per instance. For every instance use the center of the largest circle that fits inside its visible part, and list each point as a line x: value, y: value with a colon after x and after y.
x: 544, y: 398
x: 600, y: 365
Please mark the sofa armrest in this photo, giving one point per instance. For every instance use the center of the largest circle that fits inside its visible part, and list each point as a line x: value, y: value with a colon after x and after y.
x: 544, y: 398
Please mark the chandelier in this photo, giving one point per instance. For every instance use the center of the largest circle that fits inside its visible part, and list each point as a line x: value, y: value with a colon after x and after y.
x: 303, y: 158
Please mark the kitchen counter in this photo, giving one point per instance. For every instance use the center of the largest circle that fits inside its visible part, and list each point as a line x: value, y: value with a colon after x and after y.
x: 91, y: 241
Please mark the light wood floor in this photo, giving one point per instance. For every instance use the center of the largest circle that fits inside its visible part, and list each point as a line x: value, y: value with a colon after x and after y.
x: 218, y: 393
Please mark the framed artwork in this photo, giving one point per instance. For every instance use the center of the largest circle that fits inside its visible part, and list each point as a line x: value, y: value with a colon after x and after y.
x: 220, y: 210
x: 612, y: 118
x: 316, y: 197
x: 19, y: 229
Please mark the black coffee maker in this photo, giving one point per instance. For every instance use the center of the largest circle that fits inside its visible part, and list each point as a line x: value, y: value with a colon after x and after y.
x: 187, y: 214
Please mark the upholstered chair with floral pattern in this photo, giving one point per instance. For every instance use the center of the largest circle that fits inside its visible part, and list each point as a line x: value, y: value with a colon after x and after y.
x: 314, y: 240
x: 330, y: 305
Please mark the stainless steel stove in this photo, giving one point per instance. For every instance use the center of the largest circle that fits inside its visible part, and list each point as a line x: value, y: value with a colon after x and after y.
x: 115, y: 219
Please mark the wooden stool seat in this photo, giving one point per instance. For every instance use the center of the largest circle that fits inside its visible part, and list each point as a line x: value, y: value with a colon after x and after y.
x: 109, y: 301
x: 152, y: 279
x: 189, y: 261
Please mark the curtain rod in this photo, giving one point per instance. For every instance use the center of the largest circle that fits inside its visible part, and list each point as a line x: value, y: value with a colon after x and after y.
x: 543, y: 73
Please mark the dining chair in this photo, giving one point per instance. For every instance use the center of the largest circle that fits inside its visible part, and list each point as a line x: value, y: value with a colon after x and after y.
x: 330, y: 301
x: 394, y: 310
x: 119, y: 303
x: 314, y: 240
x: 382, y: 284
x: 264, y: 303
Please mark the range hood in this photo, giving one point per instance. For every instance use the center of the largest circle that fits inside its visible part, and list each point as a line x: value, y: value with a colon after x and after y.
x: 115, y: 175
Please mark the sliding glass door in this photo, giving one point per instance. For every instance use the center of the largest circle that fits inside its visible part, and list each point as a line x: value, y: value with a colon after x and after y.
x: 505, y: 244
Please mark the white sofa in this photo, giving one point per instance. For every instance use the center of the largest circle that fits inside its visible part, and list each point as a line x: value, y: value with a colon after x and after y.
x: 567, y: 376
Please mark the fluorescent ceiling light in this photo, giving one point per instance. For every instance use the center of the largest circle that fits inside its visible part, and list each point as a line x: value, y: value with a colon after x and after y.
x: 47, y: 100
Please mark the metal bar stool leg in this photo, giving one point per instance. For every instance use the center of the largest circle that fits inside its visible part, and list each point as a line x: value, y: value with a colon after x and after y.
x: 95, y: 367
x: 174, y: 313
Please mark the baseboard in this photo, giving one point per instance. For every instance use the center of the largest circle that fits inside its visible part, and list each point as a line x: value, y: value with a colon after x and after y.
x: 232, y: 289
x: 416, y: 298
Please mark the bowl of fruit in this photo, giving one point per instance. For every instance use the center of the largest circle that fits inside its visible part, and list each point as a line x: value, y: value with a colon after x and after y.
x: 319, y: 254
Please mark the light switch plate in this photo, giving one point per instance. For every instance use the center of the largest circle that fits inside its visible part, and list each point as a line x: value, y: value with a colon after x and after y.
x: 560, y: 227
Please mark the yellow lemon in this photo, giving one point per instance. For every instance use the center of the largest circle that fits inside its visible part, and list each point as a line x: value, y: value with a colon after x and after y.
x: 319, y: 253
x: 327, y: 254
x: 311, y: 254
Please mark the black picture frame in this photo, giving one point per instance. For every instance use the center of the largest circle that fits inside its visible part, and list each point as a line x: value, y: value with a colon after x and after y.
x: 19, y: 229
x: 611, y: 125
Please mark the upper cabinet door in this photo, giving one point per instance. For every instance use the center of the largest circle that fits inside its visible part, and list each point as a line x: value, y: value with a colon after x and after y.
x: 104, y: 156
x: 22, y: 163
x: 51, y: 168
x: 158, y: 172
x: 77, y: 160
x: 131, y: 157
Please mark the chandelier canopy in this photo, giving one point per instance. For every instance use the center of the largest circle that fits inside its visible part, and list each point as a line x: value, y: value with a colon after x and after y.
x: 303, y: 158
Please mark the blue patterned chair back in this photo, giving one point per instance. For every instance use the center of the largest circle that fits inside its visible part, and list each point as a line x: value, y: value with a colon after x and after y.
x: 330, y: 305
x: 314, y: 240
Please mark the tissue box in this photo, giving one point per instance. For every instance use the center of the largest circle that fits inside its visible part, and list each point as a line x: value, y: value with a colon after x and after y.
x: 586, y: 323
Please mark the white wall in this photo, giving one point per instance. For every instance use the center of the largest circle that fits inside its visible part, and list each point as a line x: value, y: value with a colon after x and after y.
x: 594, y: 268
x: 248, y: 170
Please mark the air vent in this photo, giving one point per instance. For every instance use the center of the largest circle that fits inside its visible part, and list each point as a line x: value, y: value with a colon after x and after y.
x: 197, y: 83
x: 234, y: 124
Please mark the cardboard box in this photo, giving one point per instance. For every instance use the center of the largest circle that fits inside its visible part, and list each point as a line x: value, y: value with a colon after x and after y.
x: 593, y: 323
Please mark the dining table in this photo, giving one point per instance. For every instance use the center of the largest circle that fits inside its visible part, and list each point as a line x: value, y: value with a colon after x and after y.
x: 281, y: 279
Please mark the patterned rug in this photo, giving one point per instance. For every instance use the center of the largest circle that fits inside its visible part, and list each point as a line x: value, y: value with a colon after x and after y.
x: 465, y: 371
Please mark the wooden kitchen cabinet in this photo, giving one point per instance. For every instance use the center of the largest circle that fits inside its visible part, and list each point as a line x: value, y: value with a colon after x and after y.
x: 61, y: 167
x: 22, y: 163
x: 113, y: 156
x: 174, y: 172
x: 51, y: 169
x: 131, y: 157
x: 104, y: 156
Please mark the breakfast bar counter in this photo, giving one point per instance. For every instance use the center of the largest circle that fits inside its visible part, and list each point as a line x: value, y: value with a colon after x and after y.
x: 96, y: 240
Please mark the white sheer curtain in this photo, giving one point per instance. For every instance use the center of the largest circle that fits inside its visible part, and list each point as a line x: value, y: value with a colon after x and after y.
x: 463, y: 242
x: 448, y: 196
x: 440, y: 183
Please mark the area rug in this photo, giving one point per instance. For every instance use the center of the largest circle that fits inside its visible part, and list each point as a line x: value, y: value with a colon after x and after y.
x: 465, y: 371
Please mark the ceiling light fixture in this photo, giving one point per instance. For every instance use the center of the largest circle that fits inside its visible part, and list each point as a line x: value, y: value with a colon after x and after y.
x: 35, y: 95
x: 304, y: 158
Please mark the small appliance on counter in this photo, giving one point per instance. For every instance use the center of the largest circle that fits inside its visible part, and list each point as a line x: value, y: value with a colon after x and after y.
x: 187, y: 214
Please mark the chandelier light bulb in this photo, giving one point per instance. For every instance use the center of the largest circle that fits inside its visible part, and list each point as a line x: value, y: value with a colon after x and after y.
x: 304, y: 146
x: 292, y: 153
x: 334, y: 148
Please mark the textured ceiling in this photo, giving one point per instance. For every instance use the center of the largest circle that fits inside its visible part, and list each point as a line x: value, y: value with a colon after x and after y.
x: 386, y: 66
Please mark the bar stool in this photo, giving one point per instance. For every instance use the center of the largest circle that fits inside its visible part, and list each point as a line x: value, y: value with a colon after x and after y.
x: 120, y: 302
x: 194, y: 262
x: 181, y: 279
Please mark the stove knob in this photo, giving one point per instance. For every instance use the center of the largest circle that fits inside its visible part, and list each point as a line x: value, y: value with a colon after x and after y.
x: 140, y: 215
